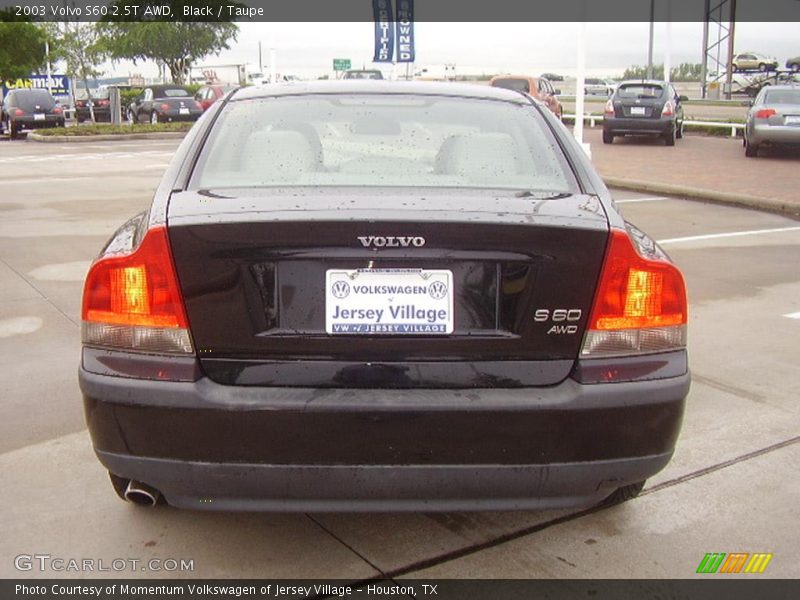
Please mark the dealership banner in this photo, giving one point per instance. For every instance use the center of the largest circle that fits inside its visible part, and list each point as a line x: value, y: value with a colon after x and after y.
x: 59, y: 84
x: 405, y: 31
x: 384, y: 30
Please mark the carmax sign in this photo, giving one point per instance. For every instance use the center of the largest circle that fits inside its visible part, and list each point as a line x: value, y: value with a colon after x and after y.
x: 59, y: 84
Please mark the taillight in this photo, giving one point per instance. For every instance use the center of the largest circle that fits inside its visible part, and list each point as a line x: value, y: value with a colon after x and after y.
x: 165, y: 107
x: 102, y: 103
x: 19, y: 112
x: 668, y: 109
x: 80, y: 103
x: 133, y: 301
x: 640, y: 305
x: 57, y: 110
x: 609, y: 109
x: 765, y: 113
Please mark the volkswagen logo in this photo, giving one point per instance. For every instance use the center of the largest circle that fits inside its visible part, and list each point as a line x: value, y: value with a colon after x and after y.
x: 340, y: 289
x: 437, y: 290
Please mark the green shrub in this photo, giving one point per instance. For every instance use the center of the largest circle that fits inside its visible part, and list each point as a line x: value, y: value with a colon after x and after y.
x: 89, y: 130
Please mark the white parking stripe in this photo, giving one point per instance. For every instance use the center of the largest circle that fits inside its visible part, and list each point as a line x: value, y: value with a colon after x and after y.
x: 714, y: 236
x: 792, y: 315
x: 41, y: 179
x: 648, y: 199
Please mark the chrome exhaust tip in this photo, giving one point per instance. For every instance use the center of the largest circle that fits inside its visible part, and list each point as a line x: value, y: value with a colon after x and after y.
x: 141, y: 493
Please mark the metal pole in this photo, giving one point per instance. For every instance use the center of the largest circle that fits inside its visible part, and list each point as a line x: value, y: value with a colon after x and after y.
x: 260, y: 66
x: 273, y: 76
x: 47, y: 54
x: 650, y: 46
x: 667, y: 49
x: 704, y: 58
x: 729, y: 69
x: 580, y: 83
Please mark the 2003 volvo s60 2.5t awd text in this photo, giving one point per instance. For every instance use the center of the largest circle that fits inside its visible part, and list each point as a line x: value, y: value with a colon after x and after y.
x: 382, y: 296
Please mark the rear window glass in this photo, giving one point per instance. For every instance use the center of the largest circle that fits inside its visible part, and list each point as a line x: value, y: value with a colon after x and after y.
x: 782, y: 97
x: 518, y: 85
x: 640, y: 91
x: 28, y: 99
x: 171, y: 93
x: 381, y: 140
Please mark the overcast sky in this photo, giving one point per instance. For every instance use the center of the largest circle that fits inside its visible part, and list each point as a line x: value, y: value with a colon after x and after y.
x: 307, y: 49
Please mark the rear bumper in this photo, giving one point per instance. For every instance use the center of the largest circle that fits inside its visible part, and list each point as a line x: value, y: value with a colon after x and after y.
x: 173, y: 116
x: 29, y: 123
x: 211, y: 446
x: 775, y: 134
x: 644, y: 125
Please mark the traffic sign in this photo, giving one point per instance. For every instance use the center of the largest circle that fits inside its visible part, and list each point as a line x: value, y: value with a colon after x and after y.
x: 341, y: 64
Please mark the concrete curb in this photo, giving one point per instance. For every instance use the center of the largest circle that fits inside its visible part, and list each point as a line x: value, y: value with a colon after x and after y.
x: 767, y: 204
x: 52, y: 139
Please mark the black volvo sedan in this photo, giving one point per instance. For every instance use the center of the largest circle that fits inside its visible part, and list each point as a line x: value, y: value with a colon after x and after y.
x: 368, y: 296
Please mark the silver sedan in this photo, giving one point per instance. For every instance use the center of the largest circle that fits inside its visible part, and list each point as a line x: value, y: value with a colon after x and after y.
x: 774, y: 118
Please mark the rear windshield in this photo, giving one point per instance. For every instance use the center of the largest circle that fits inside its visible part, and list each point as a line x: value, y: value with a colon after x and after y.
x: 381, y: 140
x: 171, y: 93
x: 363, y: 75
x: 29, y: 99
x: 782, y: 97
x: 639, y: 90
x: 518, y: 85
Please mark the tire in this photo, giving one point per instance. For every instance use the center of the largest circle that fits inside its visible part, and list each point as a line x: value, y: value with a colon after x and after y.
x: 795, y: 67
x: 623, y: 494
x: 750, y: 150
x: 669, y: 137
x: 608, y: 137
x: 154, y: 118
x: 762, y: 67
x: 679, y: 131
x: 13, y: 133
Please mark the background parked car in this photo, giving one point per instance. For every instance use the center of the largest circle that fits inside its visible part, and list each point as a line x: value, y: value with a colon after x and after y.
x: 593, y: 86
x: 101, y: 105
x: 164, y: 104
x: 27, y: 109
x: 774, y: 118
x: 363, y: 74
x: 537, y: 87
x: 644, y: 108
x: 793, y: 64
x: 753, y: 61
x: 552, y: 77
x: 208, y: 94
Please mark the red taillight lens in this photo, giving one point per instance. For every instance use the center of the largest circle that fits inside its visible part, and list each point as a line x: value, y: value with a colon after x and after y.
x: 80, y: 103
x: 640, y: 304
x: 765, y: 113
x: 19, y: 112
x: 102, y: 103
x: 165, y: 107
x: 609, y: 109
x: 57, y: 110
x: 134, y: 301
x: 668, y: 109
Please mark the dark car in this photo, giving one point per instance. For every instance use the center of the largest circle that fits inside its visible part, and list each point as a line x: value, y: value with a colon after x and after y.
x: 101, y: 105
x: 28, y: 109
x: 401, y: 296
x: 552, y: 77
x: 773, y: 119
x: 644, y: 108
x: 363, y: 74
x: 793, y: 64
x: 164, y: 104
x: 208, y: 94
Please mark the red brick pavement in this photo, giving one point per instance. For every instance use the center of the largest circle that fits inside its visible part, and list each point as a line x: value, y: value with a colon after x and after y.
x: 714, y: 164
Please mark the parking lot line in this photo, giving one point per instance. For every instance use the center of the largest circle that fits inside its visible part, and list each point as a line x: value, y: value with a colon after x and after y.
x: 40, y: 179
x: 795, y: 315
x: 713, y: 236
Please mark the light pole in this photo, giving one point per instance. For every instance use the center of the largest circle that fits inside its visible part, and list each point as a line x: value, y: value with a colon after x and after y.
x: 650, y: 46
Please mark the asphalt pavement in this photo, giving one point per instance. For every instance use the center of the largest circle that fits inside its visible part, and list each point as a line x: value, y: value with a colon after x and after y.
x: 732, y: 486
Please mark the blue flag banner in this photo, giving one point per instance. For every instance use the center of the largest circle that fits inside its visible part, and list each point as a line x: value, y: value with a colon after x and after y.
x: 384, y: 30
x: 405, y: 31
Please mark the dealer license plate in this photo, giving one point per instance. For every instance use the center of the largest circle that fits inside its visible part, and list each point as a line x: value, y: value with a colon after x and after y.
x: 38, y: 117
x: 637, y: 110
x: 184, y: 111
x: 791, y: 120
x: 389, y: 302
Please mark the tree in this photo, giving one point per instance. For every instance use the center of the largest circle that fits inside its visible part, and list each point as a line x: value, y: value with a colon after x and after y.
x: 683, y: 72
x: 176, y: 44
x: 80, y: 47
x: 21, y: 47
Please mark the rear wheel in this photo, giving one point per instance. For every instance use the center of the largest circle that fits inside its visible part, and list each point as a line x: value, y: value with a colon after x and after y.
x: 669, y: 137
x: 795, y: 67
x: 762, y: 67
x: 13, y: 132
x: 750, y: 150
x: 623, y: 494
x: 679, y: 132
x: 154, y: 118
x: 608, y: 137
